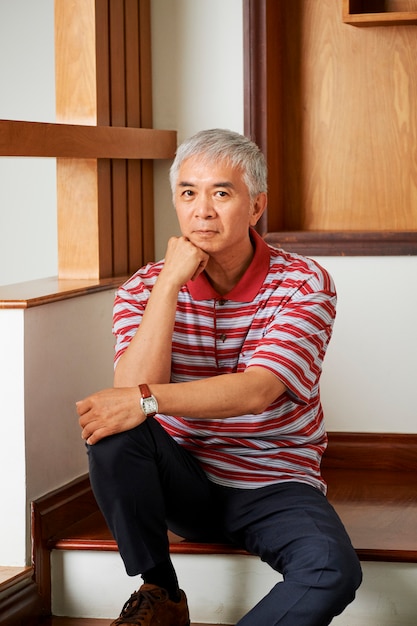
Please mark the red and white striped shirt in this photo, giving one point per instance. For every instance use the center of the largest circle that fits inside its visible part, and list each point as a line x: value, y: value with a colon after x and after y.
x: 279, y: 316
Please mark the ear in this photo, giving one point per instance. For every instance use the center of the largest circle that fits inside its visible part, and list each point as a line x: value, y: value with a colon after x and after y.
x: 257, y: 208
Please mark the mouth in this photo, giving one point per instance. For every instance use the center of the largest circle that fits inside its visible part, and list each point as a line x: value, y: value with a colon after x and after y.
x: 204, y: 232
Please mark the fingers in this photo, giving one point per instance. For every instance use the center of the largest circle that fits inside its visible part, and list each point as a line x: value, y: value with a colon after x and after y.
x: 89, y: 412
x: 184, y: 260
x: 95, y: 437
x: 200, y: 268
x: 108, y: 412
x: 94, y: 431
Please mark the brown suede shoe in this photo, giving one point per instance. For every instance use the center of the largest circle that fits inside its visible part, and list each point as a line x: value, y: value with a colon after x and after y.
x: 151, y: 606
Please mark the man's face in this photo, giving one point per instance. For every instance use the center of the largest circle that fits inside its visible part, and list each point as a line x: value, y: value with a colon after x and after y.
x: 213, y: 205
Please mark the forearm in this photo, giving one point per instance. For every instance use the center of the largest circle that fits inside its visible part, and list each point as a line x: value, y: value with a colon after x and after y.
x: 220, y: 397
x: 111, y: 411
x: 148, y: 356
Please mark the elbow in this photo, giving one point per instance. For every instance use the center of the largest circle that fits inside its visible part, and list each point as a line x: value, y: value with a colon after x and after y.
x: 263, y: 388
x: 122, y: 376
x: 260, y: 402
x: 118, y: 379
x: 260, y: 406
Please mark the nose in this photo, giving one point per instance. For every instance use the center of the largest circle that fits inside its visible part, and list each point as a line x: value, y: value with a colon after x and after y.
x: 204, y: 207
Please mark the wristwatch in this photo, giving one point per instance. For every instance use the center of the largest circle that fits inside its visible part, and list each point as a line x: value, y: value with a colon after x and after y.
x: 148, y: 402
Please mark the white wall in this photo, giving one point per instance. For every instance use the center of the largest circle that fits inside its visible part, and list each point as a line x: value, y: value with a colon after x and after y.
x: 68, y: 355
x: 50, y: 356
x: 370, y: 370
x: 197, y: 56
x: 28, y: 224
x: 236, y: 583
x: 12, y: 439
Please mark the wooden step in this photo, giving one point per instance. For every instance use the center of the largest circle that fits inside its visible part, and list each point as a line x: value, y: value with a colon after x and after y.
x: 372, y: 483
x: 9, y: 575
x: 91, y: 533
x: 378, y: 508
x: 77, y: 621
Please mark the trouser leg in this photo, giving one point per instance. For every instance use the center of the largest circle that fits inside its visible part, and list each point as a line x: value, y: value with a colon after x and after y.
x: 296, y: 531
x: 143, y: 481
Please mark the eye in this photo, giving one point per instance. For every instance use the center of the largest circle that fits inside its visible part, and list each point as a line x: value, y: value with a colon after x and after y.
x: 187, y: 193
x: 222, y: 194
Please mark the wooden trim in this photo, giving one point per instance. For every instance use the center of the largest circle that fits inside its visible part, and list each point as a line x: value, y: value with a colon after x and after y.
x: 148, y: 224
x: 371, y: 452
x: 145, y: 64
x: 102, y: 61
x: 375, y: 14
x: 42, y: 139
x: 400, y: 18
x: 132, y: 44
x: 119, y: 216
x: 262, y: 99
x: 91, y: 621
x: 47, y: 290
x: 105, y: 218
x: 50, y: 514
x: 117, y: 63
x: 20, y: 602
x: 358, y: 243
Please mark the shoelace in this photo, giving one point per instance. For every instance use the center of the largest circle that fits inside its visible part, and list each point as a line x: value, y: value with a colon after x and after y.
x: 136, y: 609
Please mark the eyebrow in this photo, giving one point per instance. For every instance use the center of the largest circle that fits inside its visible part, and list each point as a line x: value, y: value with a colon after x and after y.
x: 226, y: 184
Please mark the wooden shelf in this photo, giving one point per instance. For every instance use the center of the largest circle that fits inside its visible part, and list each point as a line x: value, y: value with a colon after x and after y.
x: 46, y: 290
x: 345, y: 243
x: 41, y: 139
x: 379, y: 12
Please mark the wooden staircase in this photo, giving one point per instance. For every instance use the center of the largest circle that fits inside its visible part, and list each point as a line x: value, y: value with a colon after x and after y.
x: 372, y: 483
x: 68, y: 520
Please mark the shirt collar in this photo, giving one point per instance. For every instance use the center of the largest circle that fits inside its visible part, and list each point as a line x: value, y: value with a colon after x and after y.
x: 248, y: 286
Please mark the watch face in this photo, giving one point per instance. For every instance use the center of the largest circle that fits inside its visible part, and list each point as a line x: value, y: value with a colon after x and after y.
x: 149, y: 405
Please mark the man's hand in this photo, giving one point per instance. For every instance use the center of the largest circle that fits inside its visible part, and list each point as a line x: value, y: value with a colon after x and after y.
x: 109, y: 412
x: 183, y: 261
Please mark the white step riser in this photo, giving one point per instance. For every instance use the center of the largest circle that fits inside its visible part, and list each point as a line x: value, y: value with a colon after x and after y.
x: 222, y: 588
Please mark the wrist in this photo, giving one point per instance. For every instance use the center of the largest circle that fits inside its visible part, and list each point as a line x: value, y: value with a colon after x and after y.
x: 148, y: 402
x: 169, y: 282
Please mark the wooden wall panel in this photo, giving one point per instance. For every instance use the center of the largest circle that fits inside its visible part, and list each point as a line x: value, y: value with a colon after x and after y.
x: 102, y: 54
x: 75, y: 69
x: 357, y: 98
x: 78, y: 218
x: 333, y: 108
x: 117, y: 55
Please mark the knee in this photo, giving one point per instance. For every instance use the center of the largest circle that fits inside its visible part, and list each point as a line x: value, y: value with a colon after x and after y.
x: 351, y: 577
x: 105, y: 454
x: 110, y: 459
x: 341, y: 578
x: 332, y: 572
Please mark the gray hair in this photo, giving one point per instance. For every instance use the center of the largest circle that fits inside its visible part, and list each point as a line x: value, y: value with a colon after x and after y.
x: 221, y: 144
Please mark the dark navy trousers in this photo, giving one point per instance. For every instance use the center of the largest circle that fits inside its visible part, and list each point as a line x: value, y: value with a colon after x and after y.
x: 144, y: 483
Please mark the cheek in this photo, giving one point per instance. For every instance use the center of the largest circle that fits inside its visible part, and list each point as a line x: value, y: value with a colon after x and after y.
x: 182, y: 218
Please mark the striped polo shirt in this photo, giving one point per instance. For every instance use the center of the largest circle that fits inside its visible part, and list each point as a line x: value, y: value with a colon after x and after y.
x: 280, y: 317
